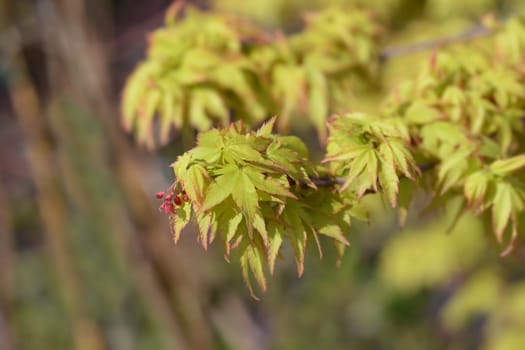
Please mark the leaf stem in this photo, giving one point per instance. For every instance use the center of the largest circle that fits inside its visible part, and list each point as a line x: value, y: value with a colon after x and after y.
x: 331, y: 181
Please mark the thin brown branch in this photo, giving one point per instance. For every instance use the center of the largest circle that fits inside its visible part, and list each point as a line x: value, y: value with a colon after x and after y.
x: 327, y: 181
x: 466, y: 35
x: 330, y: 181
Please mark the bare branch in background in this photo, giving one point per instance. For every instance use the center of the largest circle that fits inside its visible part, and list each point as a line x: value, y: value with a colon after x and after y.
x: 466, y: 35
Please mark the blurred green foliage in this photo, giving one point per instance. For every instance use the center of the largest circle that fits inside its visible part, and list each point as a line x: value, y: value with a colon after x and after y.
x: 209, y: 69
x: 427, y: 257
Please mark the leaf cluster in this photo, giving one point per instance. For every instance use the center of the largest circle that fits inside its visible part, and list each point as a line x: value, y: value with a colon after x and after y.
x: 208, y: 69
x: 464, y: 112
x: 254, y: 191
x: 367, y: 151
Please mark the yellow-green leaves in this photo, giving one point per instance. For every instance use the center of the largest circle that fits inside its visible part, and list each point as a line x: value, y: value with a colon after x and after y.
x: 253, y: 259
x: 222, y: 187
x: 247, y: 200
x: 388, y: 176
x: 469, y: 90
x: 498, y: 187
x: 254, y: 191
x: 180, y: 220
x: 368, y: 151
x: 453, y: 168
x: 475, y: 189
x: 206, y: 68
x: 464, y: 112
x: 506, y: 166
x: 502, y: 208
x: 195, y: 73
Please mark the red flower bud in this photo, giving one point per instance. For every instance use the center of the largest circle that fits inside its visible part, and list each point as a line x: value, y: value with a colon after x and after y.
x: 159, y: 194
x: 177, y: 200
x: 167, y: 207
x: 185, y: 198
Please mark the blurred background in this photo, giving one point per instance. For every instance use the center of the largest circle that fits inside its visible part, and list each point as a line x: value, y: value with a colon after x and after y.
x: 88, y: 262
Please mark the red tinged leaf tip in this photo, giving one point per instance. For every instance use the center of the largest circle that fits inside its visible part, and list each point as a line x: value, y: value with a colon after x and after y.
x: 159, y: 194
x: 433, y: 60
x: 177, y: 200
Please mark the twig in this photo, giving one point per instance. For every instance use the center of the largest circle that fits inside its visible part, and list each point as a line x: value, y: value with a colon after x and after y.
x: 468, y: 34
x: 327, y: 181
x: 330, y: 181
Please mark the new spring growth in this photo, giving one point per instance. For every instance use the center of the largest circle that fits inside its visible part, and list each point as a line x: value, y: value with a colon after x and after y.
x: 171, y: 199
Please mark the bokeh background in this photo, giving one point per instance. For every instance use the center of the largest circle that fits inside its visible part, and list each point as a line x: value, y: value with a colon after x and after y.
x: 87, y: 261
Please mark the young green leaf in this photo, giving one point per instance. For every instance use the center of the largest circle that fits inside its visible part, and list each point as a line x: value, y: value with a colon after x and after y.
x: 506, y: 166
x: 245, y: 196
x: 387, y: 175
x: 222, y: 187
x: 180, y: 220
x: 276, y: 240
x: 501, y: 209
